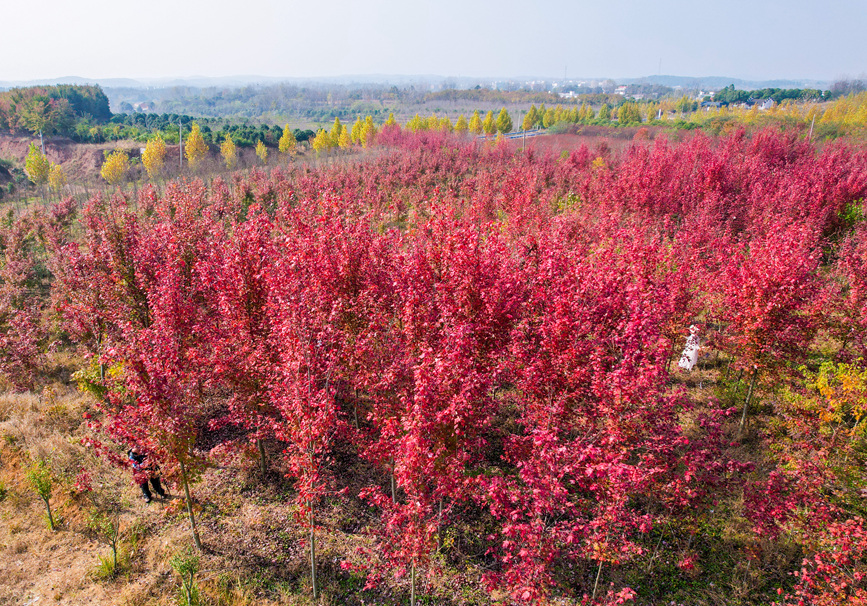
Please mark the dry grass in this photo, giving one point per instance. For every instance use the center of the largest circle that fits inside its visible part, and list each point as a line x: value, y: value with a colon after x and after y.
x: 255, y: 549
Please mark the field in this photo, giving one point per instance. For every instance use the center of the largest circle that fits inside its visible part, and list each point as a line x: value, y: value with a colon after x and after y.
x: 446, y: 371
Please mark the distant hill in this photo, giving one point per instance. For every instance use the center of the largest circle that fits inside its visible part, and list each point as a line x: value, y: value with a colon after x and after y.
x: 686, y: 82
x: 718, y: 82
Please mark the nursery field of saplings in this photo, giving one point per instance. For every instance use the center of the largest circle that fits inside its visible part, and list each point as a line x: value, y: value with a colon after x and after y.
x: 446, y: 373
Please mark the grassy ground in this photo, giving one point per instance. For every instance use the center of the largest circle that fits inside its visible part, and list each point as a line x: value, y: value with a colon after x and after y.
x: 256, y: 552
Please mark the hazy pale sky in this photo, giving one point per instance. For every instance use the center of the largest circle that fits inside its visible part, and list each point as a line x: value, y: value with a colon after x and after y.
x: 750, y: 39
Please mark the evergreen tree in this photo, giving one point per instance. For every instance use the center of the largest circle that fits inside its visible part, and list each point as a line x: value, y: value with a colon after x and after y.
x: 489, y: 125
x: 504, y: 122
x: 540, y: 116
x: 530, y: 118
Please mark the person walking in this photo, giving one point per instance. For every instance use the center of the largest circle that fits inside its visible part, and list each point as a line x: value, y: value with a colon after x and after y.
x: 145, y: 472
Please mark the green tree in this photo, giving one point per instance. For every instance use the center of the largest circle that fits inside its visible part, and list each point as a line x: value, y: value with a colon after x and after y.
x: 40, y: 479
x: 37, y: 166
x: 154, y: 156
x: 42, y: 115
x: 489, y: 125
x: 628, y: 113
x: 605, y: 112
x: 229, y: 152
x: 287, y: 142
x: 196, y: 148
x: 529, y: 118
x: 504, y: 122
x: 106, y: 526
x: 461, y: 125
x: 540, y: 116
x: 115, y: 167
x: 186, y: 564
x: 685, y: 105
x: 549, y: 118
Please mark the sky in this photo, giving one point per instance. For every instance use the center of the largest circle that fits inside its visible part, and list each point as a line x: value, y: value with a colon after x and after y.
x: 752, y: 40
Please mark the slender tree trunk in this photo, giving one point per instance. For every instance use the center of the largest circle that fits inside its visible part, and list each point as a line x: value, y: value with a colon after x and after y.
x: 50, y: 517
x: 196, y: 539
x: 743, y: 424
x: 262, y: 461
x: 596, y: 584
x: 439, y: 525
x: 313, y: 554
x: 412, y: 584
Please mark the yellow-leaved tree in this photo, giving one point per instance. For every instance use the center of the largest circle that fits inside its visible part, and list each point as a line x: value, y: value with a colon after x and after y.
x: 476, y: 123
x: 154, y: 156
x: 196, y: 148
x: 287, y: 142
x: 115, y: 167
x: 56, y: 177
x: 529, y: 118
x: 322, y: 141
x: 356, y: 130
x: 489, y: 125
x: 229, y: 152
x: 416, y: 123
x: 461, y: 126
x: 36, y: 165
x: 262, y: 152
x: 345, y: 141
x: 336, y: 129
x: 504, y: 122
x: 368, y: 133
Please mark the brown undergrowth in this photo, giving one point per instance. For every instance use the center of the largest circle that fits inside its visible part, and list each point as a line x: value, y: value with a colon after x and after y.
x: 255, y: 549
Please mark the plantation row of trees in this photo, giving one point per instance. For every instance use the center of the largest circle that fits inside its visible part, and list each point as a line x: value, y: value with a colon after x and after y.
x: 731, y: 95
x: 142, y: 127
x: 491, y: 332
